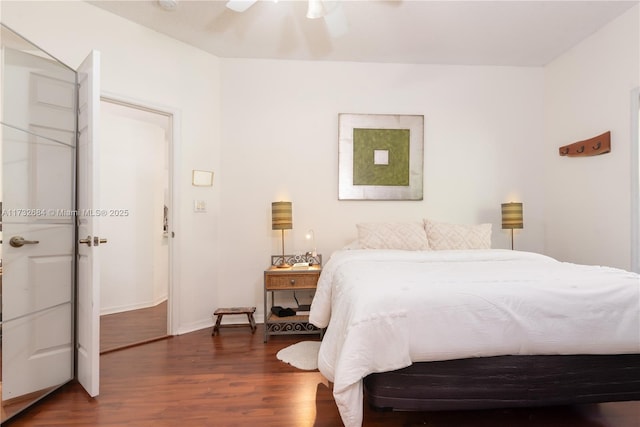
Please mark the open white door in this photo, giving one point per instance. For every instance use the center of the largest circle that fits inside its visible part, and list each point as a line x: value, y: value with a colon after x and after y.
x: 37, y: 140
x: 88, y: 216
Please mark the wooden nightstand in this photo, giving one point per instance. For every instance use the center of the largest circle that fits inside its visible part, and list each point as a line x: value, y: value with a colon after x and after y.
x: 288, y: 279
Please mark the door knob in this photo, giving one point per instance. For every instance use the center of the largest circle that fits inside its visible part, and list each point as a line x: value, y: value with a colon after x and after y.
x: 18, y: 242
x: 92, y: 241
x: 86, y: 241
x: 97, y: 240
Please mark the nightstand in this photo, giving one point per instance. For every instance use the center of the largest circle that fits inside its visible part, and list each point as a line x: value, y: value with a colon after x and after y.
x: 288, y: 279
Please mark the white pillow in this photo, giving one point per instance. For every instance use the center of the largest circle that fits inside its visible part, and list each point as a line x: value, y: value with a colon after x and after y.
x: 443, y: 236
x: 408, y: 236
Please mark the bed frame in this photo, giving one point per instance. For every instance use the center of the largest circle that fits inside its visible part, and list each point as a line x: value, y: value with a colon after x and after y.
x: 506, y: 381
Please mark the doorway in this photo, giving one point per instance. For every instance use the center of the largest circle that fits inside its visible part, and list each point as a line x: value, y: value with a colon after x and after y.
x: 135, y: 154
x: 635, y: 180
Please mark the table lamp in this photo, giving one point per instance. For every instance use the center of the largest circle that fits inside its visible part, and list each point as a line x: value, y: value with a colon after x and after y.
x: 281, y: 219
x: 512, y: 217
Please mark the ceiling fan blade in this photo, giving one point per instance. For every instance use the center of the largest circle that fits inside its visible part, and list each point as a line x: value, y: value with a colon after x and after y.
x: 321, y: 8
x: 315, y: 9
x: 334, y: 17
x: 336, y: 22
x: 240, y: 5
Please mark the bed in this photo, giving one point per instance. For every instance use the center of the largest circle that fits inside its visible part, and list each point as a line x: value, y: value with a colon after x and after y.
x: 429, y: 329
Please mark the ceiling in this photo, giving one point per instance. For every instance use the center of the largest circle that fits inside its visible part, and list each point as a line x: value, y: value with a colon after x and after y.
x: 516, y: 33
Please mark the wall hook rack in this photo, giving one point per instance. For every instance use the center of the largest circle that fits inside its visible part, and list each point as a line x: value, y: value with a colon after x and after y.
x: 589, y: 147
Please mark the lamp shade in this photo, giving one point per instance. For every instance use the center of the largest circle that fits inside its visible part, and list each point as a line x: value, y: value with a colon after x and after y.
x: 281, y: 216
x: 512, y: 215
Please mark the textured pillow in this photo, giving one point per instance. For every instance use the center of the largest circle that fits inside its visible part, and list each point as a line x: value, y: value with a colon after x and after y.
x: 409, y: 236
x: 444, y: 236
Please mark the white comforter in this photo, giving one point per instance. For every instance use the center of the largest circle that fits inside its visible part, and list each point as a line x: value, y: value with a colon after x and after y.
x: 385, y: 309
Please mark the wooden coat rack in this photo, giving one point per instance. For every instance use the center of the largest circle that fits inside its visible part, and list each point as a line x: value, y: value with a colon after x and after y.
x: 589, y: 147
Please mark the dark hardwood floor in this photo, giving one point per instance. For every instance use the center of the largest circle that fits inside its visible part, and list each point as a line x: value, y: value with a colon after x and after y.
x: 128, y: 328
x: 234, y: 379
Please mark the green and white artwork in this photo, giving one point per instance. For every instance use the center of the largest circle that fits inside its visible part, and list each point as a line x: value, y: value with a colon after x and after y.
x: 381, y: 157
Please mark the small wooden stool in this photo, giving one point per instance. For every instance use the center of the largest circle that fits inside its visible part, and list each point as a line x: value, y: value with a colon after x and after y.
x: 234, y: 310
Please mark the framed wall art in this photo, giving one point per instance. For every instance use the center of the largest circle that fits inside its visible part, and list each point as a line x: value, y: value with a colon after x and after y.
x: 380, y: 157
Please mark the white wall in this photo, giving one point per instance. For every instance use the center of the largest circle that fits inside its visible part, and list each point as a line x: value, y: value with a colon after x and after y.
x: 587, y: 92
x: 141, y: 64
x: 483, y: 146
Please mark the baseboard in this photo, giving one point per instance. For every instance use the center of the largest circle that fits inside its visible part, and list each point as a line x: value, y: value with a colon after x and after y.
x: 123, y: 308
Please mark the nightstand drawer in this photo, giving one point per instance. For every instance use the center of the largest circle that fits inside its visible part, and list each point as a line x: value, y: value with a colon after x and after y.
x: 291, y: 281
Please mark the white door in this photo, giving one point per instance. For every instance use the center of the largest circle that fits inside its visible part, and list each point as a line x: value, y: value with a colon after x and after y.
x: 38, y: 157
x: 88, y: 221
x: 42, y: 310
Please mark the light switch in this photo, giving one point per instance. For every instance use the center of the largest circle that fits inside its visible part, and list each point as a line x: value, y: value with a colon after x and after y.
x: 199, y: 206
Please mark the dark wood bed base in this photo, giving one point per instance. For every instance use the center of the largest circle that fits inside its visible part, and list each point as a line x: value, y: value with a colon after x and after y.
x: 506, y: 381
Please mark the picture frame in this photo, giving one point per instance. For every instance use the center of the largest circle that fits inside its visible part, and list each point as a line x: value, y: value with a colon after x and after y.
x: 380, y: 156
